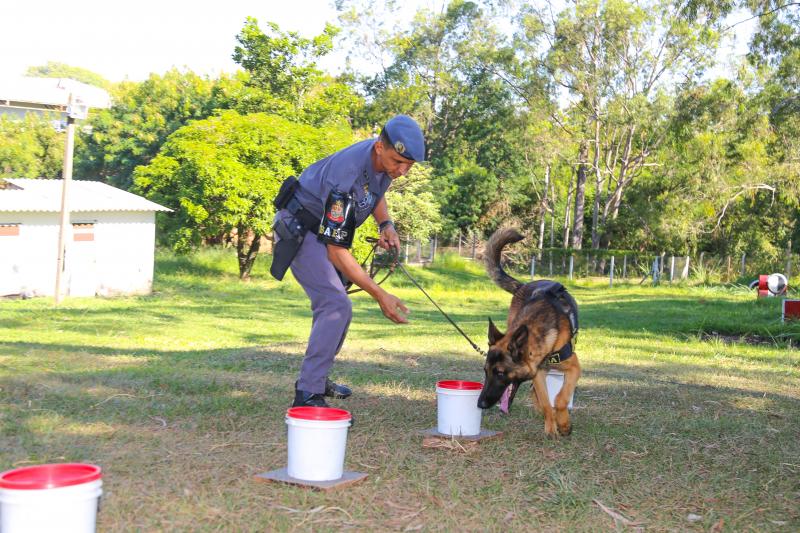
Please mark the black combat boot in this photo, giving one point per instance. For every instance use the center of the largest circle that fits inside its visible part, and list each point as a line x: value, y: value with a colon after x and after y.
x: 334, y: 390
x: 308, y: 399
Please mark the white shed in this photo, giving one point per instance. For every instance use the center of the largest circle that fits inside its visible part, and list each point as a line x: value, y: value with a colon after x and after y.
x: 109, y: 246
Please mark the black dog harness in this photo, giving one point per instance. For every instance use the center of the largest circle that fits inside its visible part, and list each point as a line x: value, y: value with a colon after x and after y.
x: 556, y: 294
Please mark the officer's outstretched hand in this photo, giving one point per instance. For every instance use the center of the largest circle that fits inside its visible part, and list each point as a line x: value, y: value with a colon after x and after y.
x: 389, y: 238
x: 393, y: 308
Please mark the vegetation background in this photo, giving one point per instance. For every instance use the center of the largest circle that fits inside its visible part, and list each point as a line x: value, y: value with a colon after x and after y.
x: 594, y: 124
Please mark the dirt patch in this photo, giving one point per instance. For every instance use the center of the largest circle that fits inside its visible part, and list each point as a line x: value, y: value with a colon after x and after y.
x: 752, y: 339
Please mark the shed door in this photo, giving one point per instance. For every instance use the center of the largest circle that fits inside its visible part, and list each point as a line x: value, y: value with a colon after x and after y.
x: 81, y: 261
x: 10, y: 260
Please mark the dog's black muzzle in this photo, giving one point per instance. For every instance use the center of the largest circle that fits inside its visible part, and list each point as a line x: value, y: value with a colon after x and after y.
x: 491, y: 393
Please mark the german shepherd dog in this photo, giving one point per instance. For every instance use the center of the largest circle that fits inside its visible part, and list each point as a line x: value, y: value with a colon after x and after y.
x: 542, y: 320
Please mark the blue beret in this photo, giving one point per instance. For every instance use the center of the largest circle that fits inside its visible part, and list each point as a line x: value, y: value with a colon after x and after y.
x: 405, y: 136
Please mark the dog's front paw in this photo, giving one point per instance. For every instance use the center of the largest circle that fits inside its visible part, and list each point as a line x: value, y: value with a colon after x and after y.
x: 550, y: 428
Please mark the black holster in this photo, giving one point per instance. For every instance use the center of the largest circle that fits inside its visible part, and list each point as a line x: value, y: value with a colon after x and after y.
x: 290, y: 230
x: 290, y: 236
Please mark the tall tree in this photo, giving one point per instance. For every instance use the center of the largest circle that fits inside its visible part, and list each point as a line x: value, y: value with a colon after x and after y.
x: 619, y: 51
x: 30, y: 147
x: 143, y: 115
x: 220, y: 175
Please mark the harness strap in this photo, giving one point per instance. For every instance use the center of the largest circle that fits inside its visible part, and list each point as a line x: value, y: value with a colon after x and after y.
x: 566, y: 351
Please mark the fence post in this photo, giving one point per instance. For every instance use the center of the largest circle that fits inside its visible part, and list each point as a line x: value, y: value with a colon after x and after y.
x: 571, y: 264
x: 728, y: 269
x: 661, y: 264
x: 685, y: 273
x: 474, y: 244
x: 744, y: 255
x: 611, y: 273
x: 419, y: 251
x: 789, y: 260
x: 551, y: 263
x: 433, y: 248
x: 656, y: 271
x: 671, y: 268
x: 407, y: 245
x: 533, y: 265
x: 624, y: 267
x: 459, y: 243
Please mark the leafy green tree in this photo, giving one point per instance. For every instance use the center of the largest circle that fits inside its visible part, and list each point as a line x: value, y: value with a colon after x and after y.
x: 283, y: 63
x: 220, y: 175
x: 283, y: 77
x: 143, y: 115
x: 442, y: 70
x: 414, y: 207
x: 467, y: 196
x: 53, y: 69
x: 30, y: 147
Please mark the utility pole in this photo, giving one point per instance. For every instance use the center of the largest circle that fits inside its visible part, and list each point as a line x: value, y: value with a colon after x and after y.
x: 76, y: 109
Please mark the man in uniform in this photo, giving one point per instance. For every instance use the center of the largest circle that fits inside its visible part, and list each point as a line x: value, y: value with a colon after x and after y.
x: 314, y: 229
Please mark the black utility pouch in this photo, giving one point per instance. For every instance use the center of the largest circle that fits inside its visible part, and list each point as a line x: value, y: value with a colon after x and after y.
x: 286, y: 192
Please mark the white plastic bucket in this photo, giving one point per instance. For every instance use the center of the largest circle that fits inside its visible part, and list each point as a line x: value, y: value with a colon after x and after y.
x: 555, y: 380
x: 457, y: 407
x: 317, y: 442
x: 59, y: 497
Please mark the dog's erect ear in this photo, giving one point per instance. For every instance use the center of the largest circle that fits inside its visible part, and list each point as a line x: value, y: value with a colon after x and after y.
x: 494, y: 333
x: 518, y: 342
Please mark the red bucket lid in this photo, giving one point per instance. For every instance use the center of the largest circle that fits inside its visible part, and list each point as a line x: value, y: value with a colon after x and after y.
x: 50, y: 476
x: 459, y: 385
x: 318, y: 413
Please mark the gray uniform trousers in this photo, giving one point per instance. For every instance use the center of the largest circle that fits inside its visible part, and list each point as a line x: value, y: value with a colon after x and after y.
x: 331, y: 308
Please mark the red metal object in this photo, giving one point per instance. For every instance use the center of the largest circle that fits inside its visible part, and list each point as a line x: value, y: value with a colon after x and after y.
x: 791, y: 310
x: 763, y: 285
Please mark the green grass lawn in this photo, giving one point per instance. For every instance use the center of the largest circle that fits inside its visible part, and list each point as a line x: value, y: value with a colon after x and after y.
x: 686, y: 416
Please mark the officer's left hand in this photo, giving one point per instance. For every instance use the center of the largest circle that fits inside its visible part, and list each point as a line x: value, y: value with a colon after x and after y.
x: 389, y: 238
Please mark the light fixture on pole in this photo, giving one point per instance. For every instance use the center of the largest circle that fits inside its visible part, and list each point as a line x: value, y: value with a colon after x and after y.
x: 76, y: 110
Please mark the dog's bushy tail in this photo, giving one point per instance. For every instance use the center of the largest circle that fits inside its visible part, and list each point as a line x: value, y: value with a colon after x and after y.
x: 494, y: 249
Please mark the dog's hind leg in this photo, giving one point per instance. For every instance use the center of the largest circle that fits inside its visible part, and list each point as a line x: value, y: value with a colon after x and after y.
x: 535, y: 399
x: 572, y: 371
x: 540, y: 389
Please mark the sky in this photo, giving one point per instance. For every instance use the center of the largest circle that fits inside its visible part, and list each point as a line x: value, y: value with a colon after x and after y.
x: 121, y: 39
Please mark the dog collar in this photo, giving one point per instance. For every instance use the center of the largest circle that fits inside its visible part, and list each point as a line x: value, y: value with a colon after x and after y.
x: 561, y: 355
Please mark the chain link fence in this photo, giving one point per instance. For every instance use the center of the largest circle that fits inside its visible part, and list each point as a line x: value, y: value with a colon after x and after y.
x: 614, y: 265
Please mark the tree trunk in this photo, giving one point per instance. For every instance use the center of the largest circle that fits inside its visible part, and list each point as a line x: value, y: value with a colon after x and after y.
x: 614, y: 201
x: 247, y: 251
x: 580, y: 196
x: 567, y: 208
x: 598, y: 187
x: 552, y: 216
x: 544, y: 208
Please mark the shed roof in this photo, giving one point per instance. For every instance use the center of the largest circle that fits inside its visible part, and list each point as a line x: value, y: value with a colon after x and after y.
x: 44, y: 195
x: 51, y: 91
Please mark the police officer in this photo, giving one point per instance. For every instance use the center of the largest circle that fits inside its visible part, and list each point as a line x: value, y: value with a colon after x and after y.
x: 314, y: 230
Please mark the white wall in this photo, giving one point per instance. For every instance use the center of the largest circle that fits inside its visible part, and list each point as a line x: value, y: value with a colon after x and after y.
x: 125, y: 252
x: 118, y: 261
